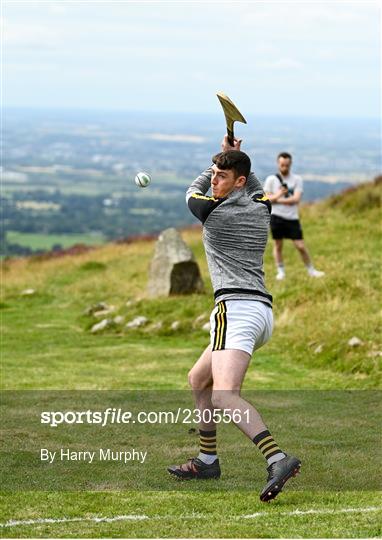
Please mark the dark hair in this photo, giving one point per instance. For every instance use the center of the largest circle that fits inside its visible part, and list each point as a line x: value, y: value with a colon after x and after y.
x: 284, y: 155
x: 234, y: 160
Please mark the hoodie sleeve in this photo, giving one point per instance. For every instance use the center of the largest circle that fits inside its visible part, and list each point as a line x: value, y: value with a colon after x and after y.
x: 199, y: 204
x: 201, y: 184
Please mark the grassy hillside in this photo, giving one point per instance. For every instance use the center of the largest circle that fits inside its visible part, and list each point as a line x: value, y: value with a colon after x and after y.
x: 314, y: 318
x: 47, y: 344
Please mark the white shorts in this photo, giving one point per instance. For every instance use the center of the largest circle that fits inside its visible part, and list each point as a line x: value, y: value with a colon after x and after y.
x: 240, y: 324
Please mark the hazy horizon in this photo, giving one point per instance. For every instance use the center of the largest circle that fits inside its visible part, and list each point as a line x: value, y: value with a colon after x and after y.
x: 217, y: 113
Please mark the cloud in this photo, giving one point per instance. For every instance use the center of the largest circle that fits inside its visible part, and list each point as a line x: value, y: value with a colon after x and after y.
x: 280, y: 64
x: 189, y: 49
x: 57, y: 9
x: 26, y: 36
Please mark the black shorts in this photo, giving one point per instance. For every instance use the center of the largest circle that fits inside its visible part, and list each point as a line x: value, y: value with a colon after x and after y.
x: 285, y: 228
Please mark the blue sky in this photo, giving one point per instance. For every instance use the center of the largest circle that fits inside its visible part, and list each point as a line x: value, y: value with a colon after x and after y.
x: 279, y: 58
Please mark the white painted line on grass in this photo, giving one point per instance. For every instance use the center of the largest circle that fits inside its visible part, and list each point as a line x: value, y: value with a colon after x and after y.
x: 96, y: 519
x: 137, y: 517
x: 324, y: 511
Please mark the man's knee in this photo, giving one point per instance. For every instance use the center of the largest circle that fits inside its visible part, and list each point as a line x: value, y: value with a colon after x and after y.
x: 222, y: 399
x: 278, y: 245
x: 217, y: 399
x: 197, y: 381
x: 191, y: 378
x: 300, y: 245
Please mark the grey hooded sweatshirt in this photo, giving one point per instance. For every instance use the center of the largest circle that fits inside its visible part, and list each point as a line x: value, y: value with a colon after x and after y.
x: 235, y: 233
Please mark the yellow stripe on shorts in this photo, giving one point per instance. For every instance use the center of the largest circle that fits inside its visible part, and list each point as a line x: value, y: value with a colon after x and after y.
x: 217, y: 324
x: 220, y: 327
x: 224, y: 326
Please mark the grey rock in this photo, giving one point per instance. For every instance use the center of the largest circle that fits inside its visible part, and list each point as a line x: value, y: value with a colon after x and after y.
x: 206, y: 326
x: 156, y: 326
x: 173, y: 269
x: 98, y: 327
x: 199, y: 319
x: 138, y: 321
x: 319, y: 349
x: 355, y: 342
x: 119, y: 319
x: 100, y: 306
x: 104, y: 312
x: 28, y: 292
x: 175, y: 325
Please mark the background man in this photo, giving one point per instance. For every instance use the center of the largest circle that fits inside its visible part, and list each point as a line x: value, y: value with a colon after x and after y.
x: 235, y: 231
x: 284, y: 190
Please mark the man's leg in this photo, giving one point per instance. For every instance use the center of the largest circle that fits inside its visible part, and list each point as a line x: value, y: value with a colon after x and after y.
x: 206, y: 465
x: 200, y: 380
x: 228, y: 370
x: 278, y: 256
x: 301, y: 248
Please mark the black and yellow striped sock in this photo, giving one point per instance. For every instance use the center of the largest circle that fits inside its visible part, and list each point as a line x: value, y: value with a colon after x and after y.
x: 268, y: 447
x: 207, y: 446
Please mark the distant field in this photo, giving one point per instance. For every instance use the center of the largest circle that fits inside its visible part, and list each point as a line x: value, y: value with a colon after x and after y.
x: 89, y: 183
x: 47, y: 241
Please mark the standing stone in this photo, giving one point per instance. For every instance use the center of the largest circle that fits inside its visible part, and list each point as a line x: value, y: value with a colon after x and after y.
x: 173, y: 268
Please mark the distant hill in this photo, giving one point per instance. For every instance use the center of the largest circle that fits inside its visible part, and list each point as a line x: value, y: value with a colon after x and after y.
x: 315, y: 189
x: 361, y: 198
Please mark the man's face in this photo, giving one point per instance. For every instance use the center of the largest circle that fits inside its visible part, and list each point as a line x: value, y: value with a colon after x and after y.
x: 284, y: 165
x: 224, y: 181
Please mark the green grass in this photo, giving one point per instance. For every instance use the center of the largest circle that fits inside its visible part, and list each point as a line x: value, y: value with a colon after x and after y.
x: 47, y: 344
x: 183, y: 515
x: 337, y: 434
x: 47, y: 241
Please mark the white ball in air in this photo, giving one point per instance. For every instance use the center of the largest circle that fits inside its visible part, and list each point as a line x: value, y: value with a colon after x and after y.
x: 142, y: 179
